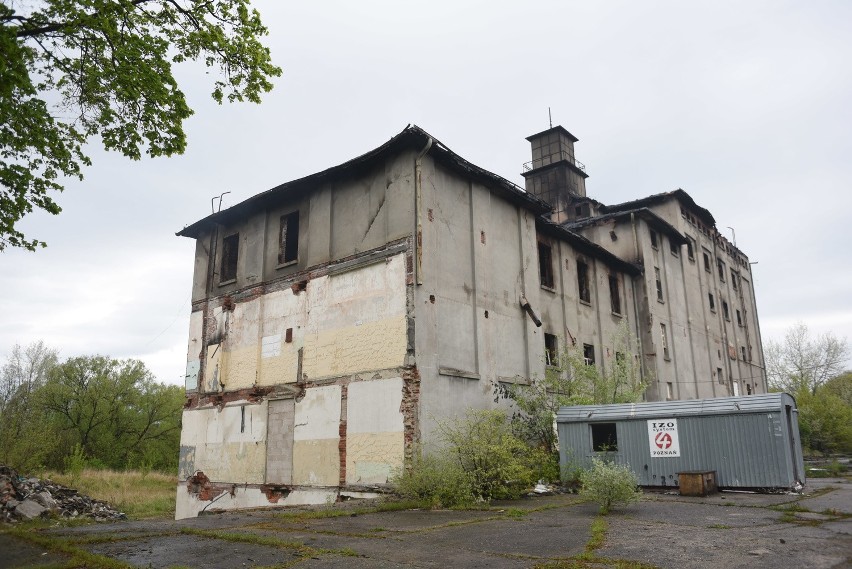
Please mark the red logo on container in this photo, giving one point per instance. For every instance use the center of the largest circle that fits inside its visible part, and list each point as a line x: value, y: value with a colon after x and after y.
x: 663, y: 440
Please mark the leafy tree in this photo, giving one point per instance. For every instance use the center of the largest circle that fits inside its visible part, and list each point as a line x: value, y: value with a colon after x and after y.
x: 24, y: 434
x: 570, y: 380
x: 115, y: 411
x: 70, y: 70
x: 803, y: 362
x: 609, y: 484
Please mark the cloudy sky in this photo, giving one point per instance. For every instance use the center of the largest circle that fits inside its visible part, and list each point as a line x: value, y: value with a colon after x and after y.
x: 745, y: 105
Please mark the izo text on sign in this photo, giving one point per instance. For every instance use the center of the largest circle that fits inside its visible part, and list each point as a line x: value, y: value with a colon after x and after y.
x: 663, y: 438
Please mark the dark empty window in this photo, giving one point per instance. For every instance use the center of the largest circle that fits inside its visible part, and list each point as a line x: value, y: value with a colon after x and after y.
x: 551, y: 351
x: 739, y: 318
x: 720, y: 376
x: 725, y: 311
x: 674, y: 247
x: 583, y: 281
x: 288, y: 249
x: 743, y: 351
x: 589, y: 354
x: 604, y: 437
x: 734, y: 282
x: 659, y: 280
x: 721, y: 265
x: 653, y: 238
x: 614, y: 294
x: 690, y: 249
x: 706, y: 261
x: 712, y: 302
x: 545, y: 265
x: 230, y: 255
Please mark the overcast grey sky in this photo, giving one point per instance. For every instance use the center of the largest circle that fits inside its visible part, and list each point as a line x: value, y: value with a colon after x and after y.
x: 745, y: 105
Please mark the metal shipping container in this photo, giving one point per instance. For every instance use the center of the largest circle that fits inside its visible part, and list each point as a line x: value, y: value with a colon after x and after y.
x: 751, y: 442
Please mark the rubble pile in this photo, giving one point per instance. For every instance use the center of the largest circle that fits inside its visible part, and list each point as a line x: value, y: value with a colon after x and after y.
x: 24, y: 498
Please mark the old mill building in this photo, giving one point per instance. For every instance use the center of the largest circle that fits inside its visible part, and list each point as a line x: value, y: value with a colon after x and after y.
x: 337, y: 317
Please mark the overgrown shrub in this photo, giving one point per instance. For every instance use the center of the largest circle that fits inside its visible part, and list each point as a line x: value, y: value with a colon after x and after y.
x: 609, y: 484
x: 480, y: 460
x: 435, y: 480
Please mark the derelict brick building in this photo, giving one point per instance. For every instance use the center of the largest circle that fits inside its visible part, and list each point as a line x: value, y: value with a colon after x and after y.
x: 336, y: 317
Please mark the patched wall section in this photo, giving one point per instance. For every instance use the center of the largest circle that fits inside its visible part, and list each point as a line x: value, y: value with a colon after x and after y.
x: 375, y: 431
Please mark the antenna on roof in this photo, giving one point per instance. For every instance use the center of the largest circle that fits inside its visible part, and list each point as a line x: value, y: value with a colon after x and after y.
x: 213, y: 199
x: 550, y: 117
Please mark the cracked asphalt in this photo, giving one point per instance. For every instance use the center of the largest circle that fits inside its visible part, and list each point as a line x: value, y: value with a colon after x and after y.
x: 728, y: 530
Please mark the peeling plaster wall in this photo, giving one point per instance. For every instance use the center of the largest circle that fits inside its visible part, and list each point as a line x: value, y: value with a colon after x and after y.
x: 374, y: 437
x: 227, y: 444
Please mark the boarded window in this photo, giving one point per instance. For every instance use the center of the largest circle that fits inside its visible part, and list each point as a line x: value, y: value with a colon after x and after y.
x: 288, y: 244
x: 614, y: 295
x: 604, y: 437
x: 551, y: 352
x: 589, y: 354
x: 659, y: 280
x: 230, y: 255
x: 545, y: 265
x: 583, y: 281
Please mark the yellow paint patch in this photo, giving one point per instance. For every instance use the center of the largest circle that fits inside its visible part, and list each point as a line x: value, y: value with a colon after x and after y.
x: 316, y: 462
x: 232, y: 462
x: 280, y: 369
x: 343, y: 351
x: 371, y: 458
x: 240, y: 368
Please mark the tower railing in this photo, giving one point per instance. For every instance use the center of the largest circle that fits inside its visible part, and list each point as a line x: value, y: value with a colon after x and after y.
x: 551, y: 158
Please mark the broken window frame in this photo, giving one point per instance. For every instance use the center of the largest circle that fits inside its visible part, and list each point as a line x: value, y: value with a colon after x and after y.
x: 706, y: 255
x: 545, y: 265
x: 726, y: 312
x: 583, y: 288
x: 674, y: 247
x: 614, y: 295
x: 743, y: 351
x: 720, y: 376
x: 690, y: 248
x: 720, y: 264
x: 664, y: 341
x: 654, y: 239
x: 739, y: 318
x: 288, y: 239
x: 712, y: 302
x: 589, y: 354
x: 604, y: 437
x: 551, y: 350
x: 229, y: 259
x: 734, y: 277
x: 659, y: 280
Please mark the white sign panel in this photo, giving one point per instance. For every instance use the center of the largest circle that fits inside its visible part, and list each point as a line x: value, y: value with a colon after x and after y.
x: 662, y: 437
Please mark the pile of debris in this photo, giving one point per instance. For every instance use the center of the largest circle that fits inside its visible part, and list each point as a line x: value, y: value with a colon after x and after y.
x: 24, y: 498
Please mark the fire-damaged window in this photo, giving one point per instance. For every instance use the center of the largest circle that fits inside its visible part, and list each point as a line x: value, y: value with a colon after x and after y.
x: 545, y: 264
x: 674, y: 247
x: 659, y: 281
x: 690, y: 248
x: 653, y: 235
x: 583, y: 281
x: 230, y: 255
x: 614, y: 295
x: 589, y: 354
x: 604, y: 437
x: 288, y: 242
x: 551, y: 350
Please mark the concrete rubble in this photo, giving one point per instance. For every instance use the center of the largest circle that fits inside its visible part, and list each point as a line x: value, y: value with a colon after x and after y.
x: 23, y: 498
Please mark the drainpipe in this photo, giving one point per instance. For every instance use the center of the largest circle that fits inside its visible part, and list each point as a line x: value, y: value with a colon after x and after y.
x: 418, y: 210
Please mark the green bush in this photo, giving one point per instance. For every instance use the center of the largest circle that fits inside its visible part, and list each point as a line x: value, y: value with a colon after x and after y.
x: 481, y: 460
x: 435, y: 481
x: 609, y: 484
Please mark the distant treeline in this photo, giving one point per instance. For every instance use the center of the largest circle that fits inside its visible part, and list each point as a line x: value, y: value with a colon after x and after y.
x: 112, y: 412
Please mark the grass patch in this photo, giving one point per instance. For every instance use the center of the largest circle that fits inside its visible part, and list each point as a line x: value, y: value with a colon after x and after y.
x: 385, y: 506
x: 300, y: 548
x: 78, y: 557
x: 137, y: 494
x: 599, y: 529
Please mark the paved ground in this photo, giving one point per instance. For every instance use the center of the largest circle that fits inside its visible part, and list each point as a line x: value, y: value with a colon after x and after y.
x: 727, y: 530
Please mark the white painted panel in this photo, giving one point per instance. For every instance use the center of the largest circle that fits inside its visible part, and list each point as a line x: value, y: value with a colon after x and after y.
x: 318, y: 414
x: 374, y: 406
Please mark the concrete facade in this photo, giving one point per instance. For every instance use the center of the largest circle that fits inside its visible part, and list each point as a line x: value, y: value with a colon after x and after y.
x: 336, y: 319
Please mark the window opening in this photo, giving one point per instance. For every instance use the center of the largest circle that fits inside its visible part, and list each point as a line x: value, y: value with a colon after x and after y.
x: 664, y: 340
x: 604, y: 437
x: 712, y: 301
x: 659, y: 284
x: 288, y: 250
x: 721, y: 265
x: 706, y: 261
x: 669, y: 391
x: 583, y: 281
x: 589, y: 354
x: 545, y: 265
x: 743, y: 350
x: 739, y: 318
x: 720, y: 376
x: 614, y: 294
x: 653, y: 238
x: 230, y: 255
x: 674, y: 247
x: 734, y: 282
x: 551, y: 350
x: 690, y: 249
x: 725, y: 311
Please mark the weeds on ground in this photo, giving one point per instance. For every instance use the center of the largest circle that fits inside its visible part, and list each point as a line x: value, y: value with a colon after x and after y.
x: 138, y: 494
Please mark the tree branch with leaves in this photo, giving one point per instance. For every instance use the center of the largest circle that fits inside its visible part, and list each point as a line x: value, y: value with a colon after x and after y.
x: 74, y: 69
